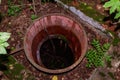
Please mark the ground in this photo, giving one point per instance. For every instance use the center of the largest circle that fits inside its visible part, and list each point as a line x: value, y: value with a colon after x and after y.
x: 17, y: 25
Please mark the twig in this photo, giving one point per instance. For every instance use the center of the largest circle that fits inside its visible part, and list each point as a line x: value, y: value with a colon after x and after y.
x: 34, y: 7
x: 17, y: 50
x: 116, y: 23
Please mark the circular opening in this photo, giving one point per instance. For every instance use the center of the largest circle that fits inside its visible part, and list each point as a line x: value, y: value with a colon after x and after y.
x: 50, y: 46
x: 55, y: 53
x: 68, y: 38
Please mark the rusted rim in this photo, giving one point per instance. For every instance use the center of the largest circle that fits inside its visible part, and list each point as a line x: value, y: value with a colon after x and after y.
x: 58, y: 70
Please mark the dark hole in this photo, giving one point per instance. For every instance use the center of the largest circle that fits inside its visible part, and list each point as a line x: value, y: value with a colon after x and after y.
x: 55, y: 53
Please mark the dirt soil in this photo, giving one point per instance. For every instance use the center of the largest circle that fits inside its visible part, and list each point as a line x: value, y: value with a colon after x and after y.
x: 17, y: 26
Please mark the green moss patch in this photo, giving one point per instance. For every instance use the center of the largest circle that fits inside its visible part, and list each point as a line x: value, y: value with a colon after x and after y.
x: 89, y: 11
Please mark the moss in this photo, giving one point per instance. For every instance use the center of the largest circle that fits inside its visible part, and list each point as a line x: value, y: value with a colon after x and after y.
x: 89, y: 11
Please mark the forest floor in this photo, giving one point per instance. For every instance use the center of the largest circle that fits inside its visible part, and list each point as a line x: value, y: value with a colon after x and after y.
x: 19, y: 21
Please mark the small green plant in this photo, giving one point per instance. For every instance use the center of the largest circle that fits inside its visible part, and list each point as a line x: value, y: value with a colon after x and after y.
x: 33, y: 16
x: 31, y: 7
x: 9, y: 2
x: 114, y: 7
x: 96, y: 56
x: 12, y: 10
x: 4, y: 36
